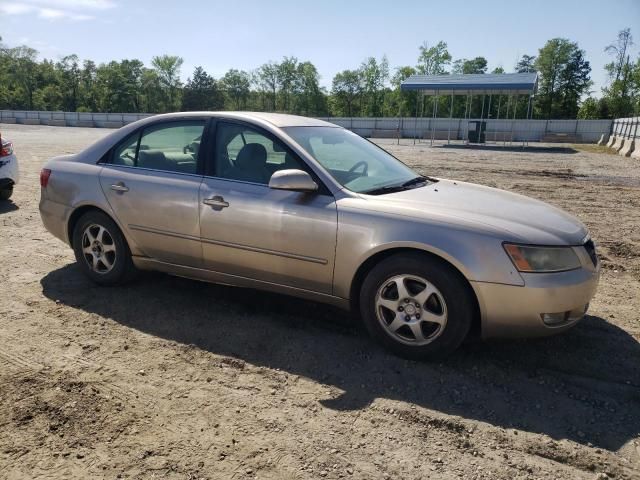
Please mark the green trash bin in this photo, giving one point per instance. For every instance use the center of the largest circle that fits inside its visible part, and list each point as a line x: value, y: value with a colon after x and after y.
x: 477, y: 131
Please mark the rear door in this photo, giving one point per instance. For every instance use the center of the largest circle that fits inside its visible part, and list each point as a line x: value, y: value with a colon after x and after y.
x: 251, y: 230
x: 152, y: 182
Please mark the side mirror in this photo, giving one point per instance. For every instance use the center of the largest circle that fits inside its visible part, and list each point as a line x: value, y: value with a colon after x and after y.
x: 294, y: 180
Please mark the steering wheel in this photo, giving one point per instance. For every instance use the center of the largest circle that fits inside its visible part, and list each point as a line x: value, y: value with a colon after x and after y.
x: 359, y: 164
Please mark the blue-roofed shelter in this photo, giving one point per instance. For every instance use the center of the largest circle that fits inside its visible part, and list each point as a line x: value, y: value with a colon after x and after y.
x: 491, y: 84
x: 473, y: 84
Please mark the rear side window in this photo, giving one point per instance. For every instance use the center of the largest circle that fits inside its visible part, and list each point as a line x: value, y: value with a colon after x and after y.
x: 125, y: 154
x: 170, y: 147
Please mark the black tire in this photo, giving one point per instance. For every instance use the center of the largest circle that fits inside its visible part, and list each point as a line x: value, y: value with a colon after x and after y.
x: 122, y: 268
x: 5, y: 193
x: 459, y: 306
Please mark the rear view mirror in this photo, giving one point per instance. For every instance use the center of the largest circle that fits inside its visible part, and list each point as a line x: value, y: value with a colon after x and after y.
x: 294, y: 180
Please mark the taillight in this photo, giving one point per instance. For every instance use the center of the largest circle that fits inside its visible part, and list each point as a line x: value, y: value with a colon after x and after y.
x: 7, y: 149
x: 45, y: 173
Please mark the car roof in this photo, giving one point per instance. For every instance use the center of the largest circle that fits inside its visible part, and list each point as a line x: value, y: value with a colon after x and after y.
x: 276, y: 119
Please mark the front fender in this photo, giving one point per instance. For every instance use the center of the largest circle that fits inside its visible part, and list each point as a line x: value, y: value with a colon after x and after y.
x: 362, y: 234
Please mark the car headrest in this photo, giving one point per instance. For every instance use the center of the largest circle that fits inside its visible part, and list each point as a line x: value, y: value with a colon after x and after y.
x: 252, y: 155
x: 154, y: 159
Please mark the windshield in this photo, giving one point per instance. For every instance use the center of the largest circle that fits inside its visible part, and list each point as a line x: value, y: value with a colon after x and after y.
x: 354, y: 162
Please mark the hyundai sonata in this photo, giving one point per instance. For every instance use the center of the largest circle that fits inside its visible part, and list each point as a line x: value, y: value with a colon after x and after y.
x: 304, y: 207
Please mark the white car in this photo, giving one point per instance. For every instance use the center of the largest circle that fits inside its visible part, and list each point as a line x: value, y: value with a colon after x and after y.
x: 8, y: 170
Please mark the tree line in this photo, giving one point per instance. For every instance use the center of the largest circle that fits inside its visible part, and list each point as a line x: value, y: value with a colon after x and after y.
x: 293, y: 86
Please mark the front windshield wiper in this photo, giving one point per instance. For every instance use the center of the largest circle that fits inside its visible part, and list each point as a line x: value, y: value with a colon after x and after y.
x: 415, y: 181
x: 409, y: 184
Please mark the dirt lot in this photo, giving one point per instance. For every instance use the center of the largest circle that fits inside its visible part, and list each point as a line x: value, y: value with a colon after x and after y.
x: 171, y: 378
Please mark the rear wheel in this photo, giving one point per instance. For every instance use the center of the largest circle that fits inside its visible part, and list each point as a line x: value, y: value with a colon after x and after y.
x: 101, y: 250
x: 5, y: 193
x: 417, y: 306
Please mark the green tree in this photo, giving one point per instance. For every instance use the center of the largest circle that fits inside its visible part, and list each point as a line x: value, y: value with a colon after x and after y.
x: 152, y: 97
x: 621, y: 93
x: 88, y: 94
x: 498, y: 70
x: 526, y: 64
x: 433, y: 60
x: 23, y: 69
x: 564, y: 78
x: 404, y: 101
x: 267, y: 81
x: 236, y: 84
x: 168, y: 68
x: 69, y: 70
x: 47, y: 95
x: 589, y: 109
x: 119, y: 86
x: 373, y: 78
x: 635, y: 78
x: 287, y: 78
x: 474, y: 65
x: 346, y: 89
x: 201, y: 93
x: 310, y: 98
x: 619, y: 49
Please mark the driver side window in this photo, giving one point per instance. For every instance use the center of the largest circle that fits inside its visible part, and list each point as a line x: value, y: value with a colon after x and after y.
x: 248, y: 155
x: 170, y: 147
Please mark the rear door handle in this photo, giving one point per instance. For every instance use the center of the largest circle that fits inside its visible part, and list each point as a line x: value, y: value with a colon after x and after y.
x: 119, y: 187
x: 216, y: 201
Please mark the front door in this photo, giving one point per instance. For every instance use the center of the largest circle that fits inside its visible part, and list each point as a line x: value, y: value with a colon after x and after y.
x: 250, y: 230
x: 152, y: 183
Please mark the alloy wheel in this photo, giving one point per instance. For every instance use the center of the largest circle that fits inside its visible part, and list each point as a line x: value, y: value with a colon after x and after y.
x: 98, y: 248
x: 411, y: 309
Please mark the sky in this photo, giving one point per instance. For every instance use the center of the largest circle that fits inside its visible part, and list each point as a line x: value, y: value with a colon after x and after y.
x: 333, y: 34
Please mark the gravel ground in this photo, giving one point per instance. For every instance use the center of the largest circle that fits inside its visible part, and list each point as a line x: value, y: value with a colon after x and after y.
x: 174, y: 378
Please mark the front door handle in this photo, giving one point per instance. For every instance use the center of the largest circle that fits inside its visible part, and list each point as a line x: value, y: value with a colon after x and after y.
x: 216, y: 201
x: 119, y: 187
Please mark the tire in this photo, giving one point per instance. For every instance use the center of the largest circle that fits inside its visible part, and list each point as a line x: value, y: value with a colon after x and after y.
x: 5, y: 194
x: 101, y: 250
x: 432, y: 315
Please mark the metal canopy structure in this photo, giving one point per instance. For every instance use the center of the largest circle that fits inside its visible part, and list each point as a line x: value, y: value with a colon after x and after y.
x: 473, y: 84
x: 510, y: 84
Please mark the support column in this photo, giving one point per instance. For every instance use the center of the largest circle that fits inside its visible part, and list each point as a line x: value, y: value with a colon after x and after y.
x: 513, y: 122
x: 450, y: 117
x: 504, y: 138
x: 495, y: 133
x: 467, y: 119
x: 434, y: 114
x: 481, y: 117
x: 527, y: 117
x: 415, y: 130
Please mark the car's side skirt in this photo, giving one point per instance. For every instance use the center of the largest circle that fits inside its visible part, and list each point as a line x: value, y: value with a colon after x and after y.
x: 146, y: 263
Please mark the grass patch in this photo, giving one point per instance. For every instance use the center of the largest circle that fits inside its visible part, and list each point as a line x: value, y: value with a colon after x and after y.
x: 593, y: 148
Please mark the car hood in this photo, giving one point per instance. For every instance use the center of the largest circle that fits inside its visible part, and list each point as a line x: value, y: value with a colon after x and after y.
x: 519, y: 218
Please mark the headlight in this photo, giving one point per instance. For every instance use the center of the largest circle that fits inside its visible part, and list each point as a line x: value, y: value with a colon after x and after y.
x: 542, y: 259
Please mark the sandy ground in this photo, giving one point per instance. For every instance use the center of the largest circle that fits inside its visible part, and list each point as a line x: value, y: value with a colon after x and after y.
x: 171, y: 378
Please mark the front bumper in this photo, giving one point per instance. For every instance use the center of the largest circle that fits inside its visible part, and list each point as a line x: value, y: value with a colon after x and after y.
x: 510, y: 311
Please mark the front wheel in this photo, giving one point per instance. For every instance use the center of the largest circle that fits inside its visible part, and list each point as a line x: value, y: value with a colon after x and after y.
x: 417, y: 306
x: 101, y: 250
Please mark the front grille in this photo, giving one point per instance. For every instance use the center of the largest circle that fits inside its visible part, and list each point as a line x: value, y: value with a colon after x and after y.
x: 590, y: 247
